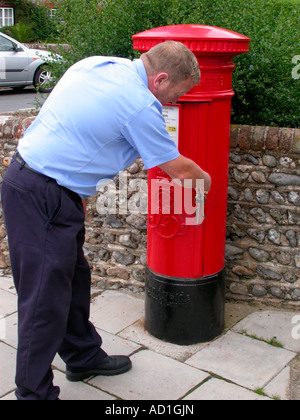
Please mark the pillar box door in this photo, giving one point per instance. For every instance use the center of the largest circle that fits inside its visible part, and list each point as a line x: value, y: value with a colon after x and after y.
x: 185, y: 286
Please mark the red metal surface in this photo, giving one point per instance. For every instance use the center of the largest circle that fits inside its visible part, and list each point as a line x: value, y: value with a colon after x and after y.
x: 175, y: 248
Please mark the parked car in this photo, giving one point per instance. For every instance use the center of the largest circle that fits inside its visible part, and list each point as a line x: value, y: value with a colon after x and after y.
x: 21, y: 66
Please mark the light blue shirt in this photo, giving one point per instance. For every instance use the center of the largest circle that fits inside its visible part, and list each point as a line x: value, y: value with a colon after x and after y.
x: 97, y: 121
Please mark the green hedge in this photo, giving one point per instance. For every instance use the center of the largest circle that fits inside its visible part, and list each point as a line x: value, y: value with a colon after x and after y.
x: 266, y: 92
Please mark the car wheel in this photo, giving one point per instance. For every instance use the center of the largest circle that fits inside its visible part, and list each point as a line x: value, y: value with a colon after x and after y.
x: 43, y: 80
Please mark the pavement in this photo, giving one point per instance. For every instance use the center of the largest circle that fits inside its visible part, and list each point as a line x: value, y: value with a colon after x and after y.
x: 256, y: 358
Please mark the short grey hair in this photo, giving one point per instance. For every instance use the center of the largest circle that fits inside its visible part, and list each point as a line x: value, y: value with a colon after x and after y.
x: 174, y: 58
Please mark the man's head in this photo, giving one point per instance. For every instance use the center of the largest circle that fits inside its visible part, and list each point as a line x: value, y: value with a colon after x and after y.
x: 172, y: 70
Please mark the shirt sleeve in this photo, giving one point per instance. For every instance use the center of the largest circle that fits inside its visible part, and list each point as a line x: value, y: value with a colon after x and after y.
x: 146, y: 132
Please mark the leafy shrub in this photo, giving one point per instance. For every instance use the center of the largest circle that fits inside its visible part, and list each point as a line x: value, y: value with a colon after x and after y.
x: 21, y: 32
x: 266, y: 93
x: 36, y: 17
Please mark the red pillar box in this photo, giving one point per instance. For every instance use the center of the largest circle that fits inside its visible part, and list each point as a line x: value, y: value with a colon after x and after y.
x: 185, y: 286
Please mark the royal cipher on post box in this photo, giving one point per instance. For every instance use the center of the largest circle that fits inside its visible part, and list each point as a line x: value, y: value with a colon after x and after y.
x: 185, y: 282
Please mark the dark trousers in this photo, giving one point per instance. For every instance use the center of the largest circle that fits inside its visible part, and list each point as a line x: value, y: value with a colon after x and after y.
x: 45, y: 228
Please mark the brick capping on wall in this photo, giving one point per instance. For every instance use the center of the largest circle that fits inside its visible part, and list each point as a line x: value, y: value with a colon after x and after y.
x: 263, y: 221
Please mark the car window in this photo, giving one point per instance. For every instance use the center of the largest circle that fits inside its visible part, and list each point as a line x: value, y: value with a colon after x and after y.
x: 6, y: 44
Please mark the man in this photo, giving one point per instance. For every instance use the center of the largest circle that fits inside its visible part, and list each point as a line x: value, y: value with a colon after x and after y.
x: 103, y: 114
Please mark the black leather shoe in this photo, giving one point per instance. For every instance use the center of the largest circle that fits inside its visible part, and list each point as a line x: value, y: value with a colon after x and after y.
x: 111, y: 365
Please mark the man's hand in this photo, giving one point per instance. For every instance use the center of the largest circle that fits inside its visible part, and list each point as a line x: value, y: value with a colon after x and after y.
x: 183, y: 168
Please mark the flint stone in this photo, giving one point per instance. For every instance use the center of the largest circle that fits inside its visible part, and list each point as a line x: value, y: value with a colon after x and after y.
x: 291, y: 237
x: 258, y: 177
x: 295, y: 295
x: 125, y: 259
x: 277, y: 197
x: 297, y: 260
x: 279, y: 217
x: 243, y: 271
x: 239, y: 176
x: 248, y: 195
x: 240, y: 213
x: 277, y: 292
x: 284, y: 179
x: 139, y: 275
x: 259, y: 215
x: 258, y: 235
x: 290, y: 277
x: 294, y: 198
x: 286, y: 162
x: 293, y: 218
x: 239, y: 289
x: 233, y: 193
x: 104, y: 254
x: 118, y: 272
x: 283, y: 258
x: 233, y: 252
x: 113, y: 221
x: 235, y: 158
x: 259, y: 290
x: 134, y: 168
x: 262, y: 196
x: 274, y: 236
x: 136, y: 221
x: 270, y: 161
x: 268, y: 274
x: 126, y: 241
x: 251, y: 159
x: 259, y: 254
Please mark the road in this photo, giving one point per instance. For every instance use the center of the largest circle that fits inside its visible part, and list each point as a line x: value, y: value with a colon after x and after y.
x: 28, y: 98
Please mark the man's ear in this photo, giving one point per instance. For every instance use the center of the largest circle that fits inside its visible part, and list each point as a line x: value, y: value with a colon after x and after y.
x: 160, y: 79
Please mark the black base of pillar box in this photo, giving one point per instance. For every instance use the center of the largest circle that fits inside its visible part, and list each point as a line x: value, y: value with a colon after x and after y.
x: 185, y: 311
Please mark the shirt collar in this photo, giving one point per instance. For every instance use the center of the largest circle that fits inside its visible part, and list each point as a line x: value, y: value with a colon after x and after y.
x: 140, y: 68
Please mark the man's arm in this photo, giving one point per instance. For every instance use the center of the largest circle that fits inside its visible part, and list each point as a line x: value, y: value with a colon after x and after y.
x: 183, y: 168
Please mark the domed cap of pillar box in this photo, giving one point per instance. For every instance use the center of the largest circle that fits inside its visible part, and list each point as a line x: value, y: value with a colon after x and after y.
x: 198, y: 38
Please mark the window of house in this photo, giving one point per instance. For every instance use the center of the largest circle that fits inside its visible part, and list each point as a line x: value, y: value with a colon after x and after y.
x: 52, y: 13
x: 6, y: 16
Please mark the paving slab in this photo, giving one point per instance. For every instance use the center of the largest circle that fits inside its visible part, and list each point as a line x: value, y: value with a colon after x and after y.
x: 247, y: 362
x: 10, y: 335
x: 216, y: 389
x: 116, y: 345
x: 7, y: 369
x: 8, y: 303
x: 113, y: 311
x: 230, y: 367
x: 295, y: 379
x: 7, y: 284
x: 279, y: 387
x: 9, y: 397
x: 112, y: 345
x: 152, y: 377
x: 269, y: 325
x: 79, y: 391
x: 138, y: 334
